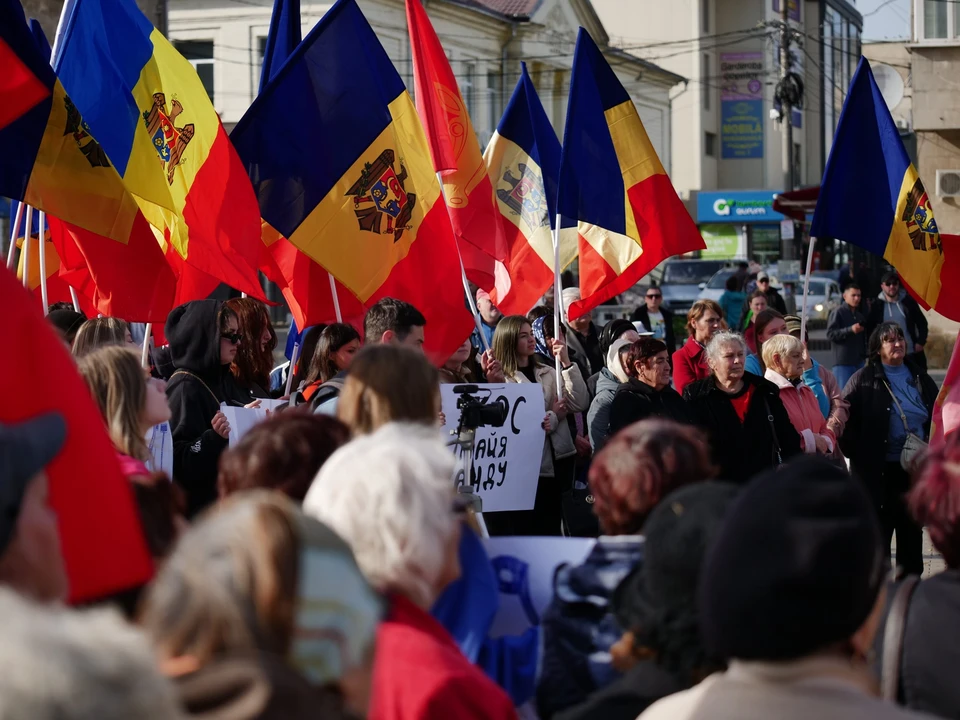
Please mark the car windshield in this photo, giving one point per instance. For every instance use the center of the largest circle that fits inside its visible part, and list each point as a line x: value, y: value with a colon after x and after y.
x: 818, y: 288
x: 719, y: 281
x: 689, y: 273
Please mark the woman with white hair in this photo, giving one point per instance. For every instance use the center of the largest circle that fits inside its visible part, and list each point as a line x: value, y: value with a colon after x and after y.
x: 582, y: 336
x: 746, y: 422
x: 391, y: 496
x: 783, y: 358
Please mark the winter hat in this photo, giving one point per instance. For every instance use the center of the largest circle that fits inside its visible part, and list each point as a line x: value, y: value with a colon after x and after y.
x: 612, y: 331
x: 796, y: 567
x: 793, y: 325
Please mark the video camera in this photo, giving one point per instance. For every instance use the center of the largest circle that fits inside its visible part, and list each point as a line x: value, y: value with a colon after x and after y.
x: 476, y: 412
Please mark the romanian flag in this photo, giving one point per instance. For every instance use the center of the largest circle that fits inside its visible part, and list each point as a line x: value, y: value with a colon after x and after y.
x: 156, y: 124
x: 103, y: 544
x: 342, y: 169
x: 455, y: 150
x: 523, y: 160
x: 871, y: 196
x: 613, y: 185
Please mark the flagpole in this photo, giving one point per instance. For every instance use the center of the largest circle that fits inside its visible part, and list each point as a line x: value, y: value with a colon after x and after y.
x: 806, y: 289
x: 463, y: 276
x: 74, y: 298
x: 42, y: 247
x: 335, y: 296
x: 25, y: 250
x: 13, y: 236
x: 294, y: 356
x: 146, y: 345
x: 557, y: 299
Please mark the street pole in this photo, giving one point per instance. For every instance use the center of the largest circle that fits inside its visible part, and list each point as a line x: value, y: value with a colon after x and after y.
x: 786, y: 108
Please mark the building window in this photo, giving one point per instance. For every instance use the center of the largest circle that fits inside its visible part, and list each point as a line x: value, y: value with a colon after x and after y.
x: 705, y: 17
x: 705, y: 81
x: 468, y: 85
x: 710, y: 144
x: 935, y: 19
x: 261, y: 53
x: 200, y: 55
x: 493, y: 100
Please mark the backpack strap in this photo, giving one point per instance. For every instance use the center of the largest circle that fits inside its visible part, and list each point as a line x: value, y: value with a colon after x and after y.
x: 893, y: 634
x: 330, y: 389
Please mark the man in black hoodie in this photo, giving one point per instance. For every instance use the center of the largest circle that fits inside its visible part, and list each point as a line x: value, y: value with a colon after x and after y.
x: 203, y: 337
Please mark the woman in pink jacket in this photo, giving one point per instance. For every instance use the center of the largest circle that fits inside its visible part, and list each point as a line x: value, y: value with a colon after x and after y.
x: 783, y: 358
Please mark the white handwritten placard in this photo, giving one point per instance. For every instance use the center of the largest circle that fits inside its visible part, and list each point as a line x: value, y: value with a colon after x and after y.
x: 242, y: 419
x: 506, y: 459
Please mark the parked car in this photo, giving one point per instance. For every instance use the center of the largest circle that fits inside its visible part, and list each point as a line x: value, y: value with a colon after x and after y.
x: 684, y: 279
x: 823, y: 297
x: 716, y: 285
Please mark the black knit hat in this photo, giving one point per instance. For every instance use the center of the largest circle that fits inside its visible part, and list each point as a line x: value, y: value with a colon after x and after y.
x: 611, y: 332
x: 796, y: 567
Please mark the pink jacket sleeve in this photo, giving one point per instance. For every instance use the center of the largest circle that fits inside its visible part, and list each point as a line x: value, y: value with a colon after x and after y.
x: 839, y: 408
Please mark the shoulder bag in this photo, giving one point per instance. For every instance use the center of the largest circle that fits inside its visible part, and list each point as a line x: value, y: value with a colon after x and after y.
x: 777, y: 455
x: 893, y: 634
x: 913, y: 446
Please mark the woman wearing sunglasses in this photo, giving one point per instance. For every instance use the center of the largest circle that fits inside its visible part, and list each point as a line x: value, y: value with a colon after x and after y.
x: 204, y: 336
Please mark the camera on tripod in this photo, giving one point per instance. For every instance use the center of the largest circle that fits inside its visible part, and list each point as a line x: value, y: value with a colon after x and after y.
x: 477, y: 412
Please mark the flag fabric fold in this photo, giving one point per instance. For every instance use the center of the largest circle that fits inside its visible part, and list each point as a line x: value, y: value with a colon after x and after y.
x: 149, y: 110
x: 367, y: 205
x: 946, y: 410
x: 103, y: 544
x: 455, y: 150
x: 871, y: 196
x: 523, y: 161
x: 629, y: 217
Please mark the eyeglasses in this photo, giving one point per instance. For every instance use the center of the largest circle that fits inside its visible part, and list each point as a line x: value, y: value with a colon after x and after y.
x: 892, y: 283
x: 234, y: 338
x: 654, y: 297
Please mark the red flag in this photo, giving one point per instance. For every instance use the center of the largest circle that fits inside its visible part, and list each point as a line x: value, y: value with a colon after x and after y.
x: 456, y: 152
x: 57, y: 289
x: 103, y: 545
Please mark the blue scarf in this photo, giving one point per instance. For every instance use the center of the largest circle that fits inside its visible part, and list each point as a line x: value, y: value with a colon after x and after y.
x: 540, y: 336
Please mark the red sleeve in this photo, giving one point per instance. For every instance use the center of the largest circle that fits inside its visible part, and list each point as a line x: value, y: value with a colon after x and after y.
x: 683, y: 371
x: 464, y: 698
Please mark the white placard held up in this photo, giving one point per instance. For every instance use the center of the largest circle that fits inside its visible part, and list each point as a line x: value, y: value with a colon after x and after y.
x: 243, y: 419
x: 160, y: 443
x: 506, y: 460
x: 525, y: 567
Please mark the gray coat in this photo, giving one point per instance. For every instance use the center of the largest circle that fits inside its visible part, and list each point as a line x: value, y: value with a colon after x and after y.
x: 849, y: 348
x: 598, y: 418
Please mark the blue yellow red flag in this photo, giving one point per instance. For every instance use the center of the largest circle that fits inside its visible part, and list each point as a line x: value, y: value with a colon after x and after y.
x: 872, y: 196
x: 282, y: 38
x: 342, y: 169
x: 523, y: 161
x: 629, y: 217
x: 146, y: 104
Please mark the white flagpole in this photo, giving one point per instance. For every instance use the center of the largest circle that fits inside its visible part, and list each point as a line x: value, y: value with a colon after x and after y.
x: 13, y: 236
x: 335, y: 296
x: 146, y: 345
x: 42, y: 248
x: 294, y: 356
x: 75, y: 299
x: 557, y: 300
x: 25, y: 250
x: 806, y: 289
x: 463, y: 276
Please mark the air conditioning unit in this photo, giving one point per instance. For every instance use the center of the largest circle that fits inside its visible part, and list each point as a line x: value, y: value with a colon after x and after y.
x: 948, y: 183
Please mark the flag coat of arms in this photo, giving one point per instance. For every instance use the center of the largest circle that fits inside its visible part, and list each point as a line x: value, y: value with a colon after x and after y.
x: 629, y: 217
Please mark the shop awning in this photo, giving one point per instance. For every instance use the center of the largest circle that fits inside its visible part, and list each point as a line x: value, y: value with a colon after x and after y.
x: 797, y: 204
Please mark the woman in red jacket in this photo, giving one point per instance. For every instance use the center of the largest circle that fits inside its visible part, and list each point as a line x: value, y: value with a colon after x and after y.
x: 397, y: 513
x: 690, y: 361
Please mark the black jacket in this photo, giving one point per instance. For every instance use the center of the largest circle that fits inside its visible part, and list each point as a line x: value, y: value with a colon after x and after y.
x: 867, y: 432
x: 636, y: 401
x: 196, y: 388
x: 849, y: 348
x: 741, y: 450
x: 643, y: 315
x: 931, y: 646
x: 627, y: 697
x: 916, y: 321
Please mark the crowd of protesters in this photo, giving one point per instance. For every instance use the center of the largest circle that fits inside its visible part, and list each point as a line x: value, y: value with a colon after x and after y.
x: 325, y: 566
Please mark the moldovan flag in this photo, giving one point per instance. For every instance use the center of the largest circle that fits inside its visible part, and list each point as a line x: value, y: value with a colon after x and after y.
x: 304, y: 283
x: 523, y: 160
x: 455, y: 150
x: 612, y: 183
x: 871, y: 196
x: 148, y: 108
x: 341, y: 167
x: 100, y: 534
x: 946, y: 410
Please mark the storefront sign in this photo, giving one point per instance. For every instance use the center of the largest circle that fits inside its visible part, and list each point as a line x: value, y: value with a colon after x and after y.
x: 741, y: 105
x: 723, y: 242
x: 737, y: 206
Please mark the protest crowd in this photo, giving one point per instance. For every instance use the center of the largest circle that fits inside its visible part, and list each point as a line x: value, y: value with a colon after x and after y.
x: 462, y: 495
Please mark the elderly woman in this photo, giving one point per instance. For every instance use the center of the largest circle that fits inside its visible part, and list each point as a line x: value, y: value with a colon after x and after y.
x: 582, y: 336
x: 925, y: 679
x: 629, y: 477
x: 610, y: 379
x: 784, y: 355
x: 748, y: 427
x: 890, y: 400
x: 690, y: 361
x: 397, y: 514
x: 261, y: 611
x: 647, y: 393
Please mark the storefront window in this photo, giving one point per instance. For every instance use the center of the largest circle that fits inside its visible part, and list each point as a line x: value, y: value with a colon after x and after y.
x: 765, y: 243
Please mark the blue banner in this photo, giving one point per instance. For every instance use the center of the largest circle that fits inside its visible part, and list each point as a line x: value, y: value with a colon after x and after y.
x: 741, y: 129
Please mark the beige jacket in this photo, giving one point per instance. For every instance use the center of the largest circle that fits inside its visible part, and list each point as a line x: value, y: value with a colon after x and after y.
x: 578, y: 397
x: 819, y: 688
